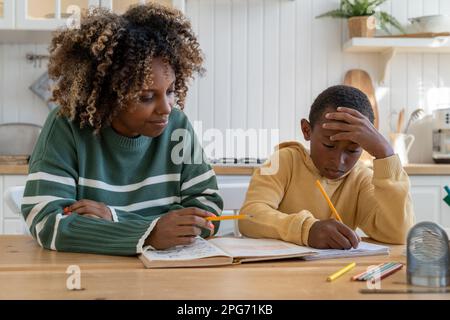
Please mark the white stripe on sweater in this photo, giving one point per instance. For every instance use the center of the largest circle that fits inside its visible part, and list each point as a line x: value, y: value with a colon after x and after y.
x: 39, y: 228
x: 39, y: 199
x: 206, y: 191
x: 141, y: 242
x: 38, y: 207
x: 130, y: 187
x: 210, y: 204
x: 51, y: 177
x: 149, y: 204
x: 59, y: 217
x: 203, y: 177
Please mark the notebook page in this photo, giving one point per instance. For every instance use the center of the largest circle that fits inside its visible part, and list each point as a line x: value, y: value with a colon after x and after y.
x: 364, y: 249
x: 197, y: 250
x: 246, y: 247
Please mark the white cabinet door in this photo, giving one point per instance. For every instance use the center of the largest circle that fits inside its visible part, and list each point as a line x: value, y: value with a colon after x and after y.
x: 13, y: 223
x: 7, y: 9
x: 120, y: 6
x: 50, y: 14
x: 426, y: 198
x: 14, y: 226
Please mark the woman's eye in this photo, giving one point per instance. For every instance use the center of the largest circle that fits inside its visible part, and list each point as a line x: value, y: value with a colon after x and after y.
x: 328, y: 146
x: 353, y: 151
x: 170, y: 92
x: 146, y: 99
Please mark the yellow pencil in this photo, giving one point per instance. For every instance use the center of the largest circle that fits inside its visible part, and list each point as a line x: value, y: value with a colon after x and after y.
x: 339, y: 273
x: 333, y: 209
x: 236, y: 217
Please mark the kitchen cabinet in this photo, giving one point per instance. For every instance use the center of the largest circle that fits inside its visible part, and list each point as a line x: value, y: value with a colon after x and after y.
x: 120, y: 6
x: 11, y: 222
x: 7, y: 14
x: 50, y: 14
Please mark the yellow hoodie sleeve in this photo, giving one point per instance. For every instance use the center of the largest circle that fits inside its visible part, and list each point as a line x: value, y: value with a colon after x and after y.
x: 262, y: 201
x: 384, y: 210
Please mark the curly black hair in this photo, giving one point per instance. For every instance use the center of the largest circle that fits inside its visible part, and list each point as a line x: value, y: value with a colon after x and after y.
x: 341, y: 96
x: 100, y: 68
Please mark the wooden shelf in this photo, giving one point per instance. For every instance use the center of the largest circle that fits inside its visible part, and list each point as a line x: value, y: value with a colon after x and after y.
x: 389, y: 47
x: 380, y: 45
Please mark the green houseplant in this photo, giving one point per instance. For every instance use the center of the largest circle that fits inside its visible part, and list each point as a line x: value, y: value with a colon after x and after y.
x: 363, y: 17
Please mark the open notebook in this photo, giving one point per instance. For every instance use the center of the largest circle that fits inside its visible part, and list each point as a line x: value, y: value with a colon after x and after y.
x: 364, y: 249
x: 222, y: 251
x: 226, y: 251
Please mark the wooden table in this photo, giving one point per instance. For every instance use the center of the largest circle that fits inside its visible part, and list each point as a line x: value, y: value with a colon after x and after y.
x: 29, y: 272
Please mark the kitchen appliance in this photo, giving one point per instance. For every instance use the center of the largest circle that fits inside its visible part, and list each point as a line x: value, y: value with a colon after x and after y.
x: 441, y: 135
x: 17, y: 141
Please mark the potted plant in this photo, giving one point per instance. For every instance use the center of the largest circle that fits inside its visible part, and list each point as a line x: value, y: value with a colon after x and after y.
x: 363, y: 17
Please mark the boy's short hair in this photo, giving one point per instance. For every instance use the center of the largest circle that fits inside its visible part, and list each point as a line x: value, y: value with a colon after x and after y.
x: 340, y: 96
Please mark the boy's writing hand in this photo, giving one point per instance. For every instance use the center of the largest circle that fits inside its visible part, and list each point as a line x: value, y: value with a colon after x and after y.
x: 179, y: 227
x: 358, y: 129
x: 332, y: 234
x: 91, y: 209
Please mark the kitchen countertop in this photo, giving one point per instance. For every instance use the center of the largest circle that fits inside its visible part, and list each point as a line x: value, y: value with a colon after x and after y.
x: 411, y: 169
x: 425, y: 169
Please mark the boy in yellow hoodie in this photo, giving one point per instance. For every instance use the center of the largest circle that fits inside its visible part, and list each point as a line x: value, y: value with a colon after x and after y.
x: 287, y: 205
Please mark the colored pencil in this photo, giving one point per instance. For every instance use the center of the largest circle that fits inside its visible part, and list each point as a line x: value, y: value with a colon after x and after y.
x: 392, y: 270
x: 236, y: 217
x: 339, y: 273
x: 359, y: 275
x: 371, y: 274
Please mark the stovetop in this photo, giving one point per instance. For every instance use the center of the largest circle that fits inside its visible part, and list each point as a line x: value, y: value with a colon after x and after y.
x: 237, y: 162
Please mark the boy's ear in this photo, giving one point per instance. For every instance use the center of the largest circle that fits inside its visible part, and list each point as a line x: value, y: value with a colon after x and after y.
x: 306, y: 129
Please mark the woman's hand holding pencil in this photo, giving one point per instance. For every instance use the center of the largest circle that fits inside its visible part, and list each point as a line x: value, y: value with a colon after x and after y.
x: 179, y: 227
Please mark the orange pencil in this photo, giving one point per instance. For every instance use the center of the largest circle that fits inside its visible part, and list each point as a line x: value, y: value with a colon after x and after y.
x: 333, y: 209
x: 236, y: 217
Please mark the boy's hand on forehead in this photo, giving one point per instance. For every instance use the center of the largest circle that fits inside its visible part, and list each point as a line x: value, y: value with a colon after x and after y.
x: 355, y: 127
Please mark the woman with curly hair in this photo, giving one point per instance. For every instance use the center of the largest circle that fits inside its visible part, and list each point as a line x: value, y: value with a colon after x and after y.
x: 117, y: 166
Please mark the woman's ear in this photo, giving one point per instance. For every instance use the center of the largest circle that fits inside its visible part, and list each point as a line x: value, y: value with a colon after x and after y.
x: 306, y: 129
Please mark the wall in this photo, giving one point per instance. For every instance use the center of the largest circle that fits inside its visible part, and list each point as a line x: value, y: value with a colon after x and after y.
x: 17, y: 102
x: 266, y: 60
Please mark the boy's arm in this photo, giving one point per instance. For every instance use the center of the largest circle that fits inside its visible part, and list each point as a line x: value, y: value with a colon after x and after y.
x: 262, y: 201
x: 384, y: 208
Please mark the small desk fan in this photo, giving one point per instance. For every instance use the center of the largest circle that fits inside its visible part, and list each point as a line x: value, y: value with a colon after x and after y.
x: 428, y: 256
